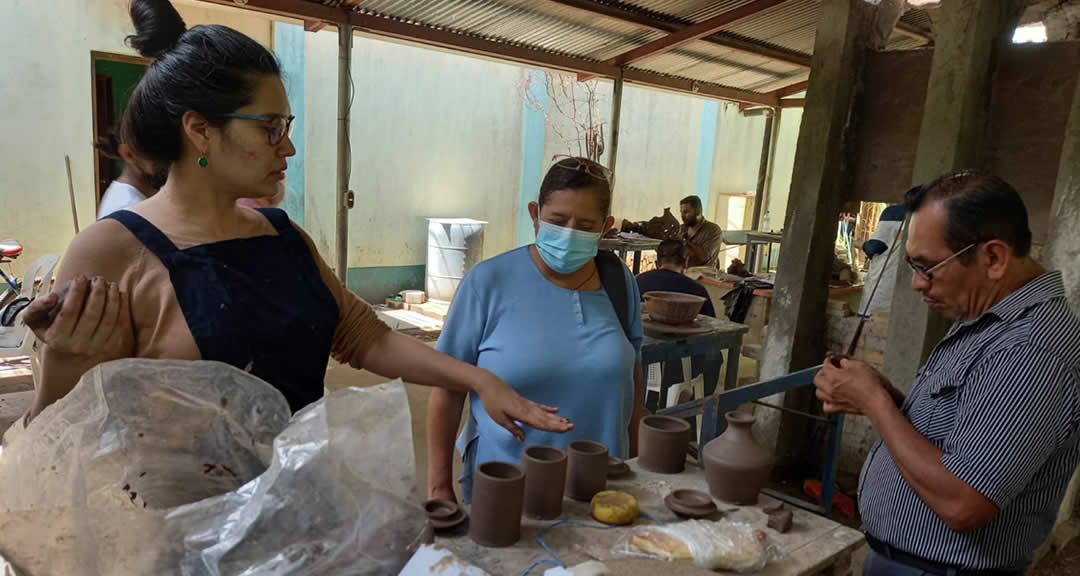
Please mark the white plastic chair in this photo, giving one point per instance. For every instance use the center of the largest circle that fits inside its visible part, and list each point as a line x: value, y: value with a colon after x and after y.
x: 18, y: 340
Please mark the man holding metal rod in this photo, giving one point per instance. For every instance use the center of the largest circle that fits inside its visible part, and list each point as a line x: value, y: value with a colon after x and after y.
x: 972, y: 466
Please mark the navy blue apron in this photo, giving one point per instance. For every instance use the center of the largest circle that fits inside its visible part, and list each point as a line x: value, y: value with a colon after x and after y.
x: 258, y: 303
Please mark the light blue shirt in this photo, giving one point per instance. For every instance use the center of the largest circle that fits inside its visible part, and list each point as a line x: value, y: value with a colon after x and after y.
x: 558, y: 347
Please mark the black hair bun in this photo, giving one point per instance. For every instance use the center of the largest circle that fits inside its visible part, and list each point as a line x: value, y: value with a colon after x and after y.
x: 109, y: 146
x: 158, y: 27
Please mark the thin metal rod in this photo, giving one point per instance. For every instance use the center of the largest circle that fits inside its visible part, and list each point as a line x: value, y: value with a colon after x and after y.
x: 794, y: 501
x: 792, y: 411
x: 344, y: 154
x: 862, y: 317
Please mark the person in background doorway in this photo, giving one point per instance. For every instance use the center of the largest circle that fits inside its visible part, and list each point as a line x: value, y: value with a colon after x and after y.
x: 973, y: 465
x: 137, y: 182
x: 876, y: 249
x: 540, y: 318
x: 671, y: 256
x: 702, y: 238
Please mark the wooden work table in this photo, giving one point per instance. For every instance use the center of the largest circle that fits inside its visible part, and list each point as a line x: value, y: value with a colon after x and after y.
x: 815, y: 544
x: 768, y: 292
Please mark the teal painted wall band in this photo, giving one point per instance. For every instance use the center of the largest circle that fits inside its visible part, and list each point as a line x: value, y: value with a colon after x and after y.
x: 706, y: 149
x: 289, y: 49
x: 532, y: 153
x: 375, y: 283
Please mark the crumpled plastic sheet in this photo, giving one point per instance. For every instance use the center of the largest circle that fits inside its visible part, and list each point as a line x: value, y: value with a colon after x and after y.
x: 195, y: 468
x: 716, y: 545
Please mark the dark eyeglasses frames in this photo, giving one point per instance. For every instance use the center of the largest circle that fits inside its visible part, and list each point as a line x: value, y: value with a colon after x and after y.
x: 928, y: 273
x: 587, y: 166
x: 277, y: 128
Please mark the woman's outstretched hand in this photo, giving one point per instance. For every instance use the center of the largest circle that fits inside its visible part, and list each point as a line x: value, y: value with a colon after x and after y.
x: 506, y: 407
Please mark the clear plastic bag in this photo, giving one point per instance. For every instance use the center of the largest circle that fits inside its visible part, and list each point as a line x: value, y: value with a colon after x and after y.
x: 719, y: 545
x: 172, y: 467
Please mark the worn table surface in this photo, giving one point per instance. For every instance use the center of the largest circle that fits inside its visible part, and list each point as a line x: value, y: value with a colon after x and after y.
x: 814, y: 542
x: 629, y: 244
x: 768, y: 293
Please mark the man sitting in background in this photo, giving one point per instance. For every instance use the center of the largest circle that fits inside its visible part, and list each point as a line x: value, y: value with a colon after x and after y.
x: 671, y: 258
x: 702, y: 238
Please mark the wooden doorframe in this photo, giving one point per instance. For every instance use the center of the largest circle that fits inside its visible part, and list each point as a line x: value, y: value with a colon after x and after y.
x: 96, y: 55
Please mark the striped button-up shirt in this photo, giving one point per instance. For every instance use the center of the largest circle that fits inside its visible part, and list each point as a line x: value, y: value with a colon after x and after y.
x: 1000, y: 396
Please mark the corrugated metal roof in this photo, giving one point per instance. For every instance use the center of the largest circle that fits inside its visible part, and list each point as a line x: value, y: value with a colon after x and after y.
x: 571, y: 31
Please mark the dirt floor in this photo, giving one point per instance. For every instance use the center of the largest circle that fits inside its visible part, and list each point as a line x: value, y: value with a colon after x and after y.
x: 1064, y: 562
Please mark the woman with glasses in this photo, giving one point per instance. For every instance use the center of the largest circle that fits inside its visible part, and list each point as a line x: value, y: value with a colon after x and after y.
x: 540, y: 318
x: 188, y: 274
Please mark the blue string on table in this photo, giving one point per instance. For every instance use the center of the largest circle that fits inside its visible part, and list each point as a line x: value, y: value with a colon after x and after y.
x: 558, y: 561
x: 647, y: 517
x: 538, y: 563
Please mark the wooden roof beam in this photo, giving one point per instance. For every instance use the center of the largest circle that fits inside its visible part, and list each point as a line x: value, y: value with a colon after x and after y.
x: 652, y: 23
x: 297, y: 9
x: 792, y: 89
x: 312, y: 12
x: 528, y: 56
x: 691, y: 33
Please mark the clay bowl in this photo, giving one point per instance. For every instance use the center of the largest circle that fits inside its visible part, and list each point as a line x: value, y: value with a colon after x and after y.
x: 444, y: 514
x: 616, y: 467
x: 672, y: 307
x: 687, y: 503
x: 663, y: 441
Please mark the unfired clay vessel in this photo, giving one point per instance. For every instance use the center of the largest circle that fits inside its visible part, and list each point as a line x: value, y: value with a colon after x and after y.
x: 662, y: 442
x: 545, y: 478
x: 498, y: 491
x: 587, y: 468
x: 736, y: 465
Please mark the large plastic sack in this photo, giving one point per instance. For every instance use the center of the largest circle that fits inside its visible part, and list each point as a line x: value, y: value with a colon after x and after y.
x: 171, y: 467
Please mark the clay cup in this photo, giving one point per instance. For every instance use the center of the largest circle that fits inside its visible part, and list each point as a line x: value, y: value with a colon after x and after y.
x: 662, y: 442
x: 545, y: 478
x: 498, y: 491
x: 587, y: 467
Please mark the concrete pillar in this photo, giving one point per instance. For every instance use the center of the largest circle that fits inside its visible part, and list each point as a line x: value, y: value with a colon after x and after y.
x: 847, y: 30
x: 967, y: 38
x: 1062, y: 253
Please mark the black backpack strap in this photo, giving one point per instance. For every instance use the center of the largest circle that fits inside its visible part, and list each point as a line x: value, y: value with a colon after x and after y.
x: 613, y: 279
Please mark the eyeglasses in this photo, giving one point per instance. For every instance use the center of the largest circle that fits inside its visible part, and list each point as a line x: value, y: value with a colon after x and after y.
x: 279, y: 126
x: 928, y: 273
x: 587, y: 166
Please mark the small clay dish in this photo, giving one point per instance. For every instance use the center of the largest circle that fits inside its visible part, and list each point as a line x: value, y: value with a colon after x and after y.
x: 690, y: 503
x: 616, y: 467
x: 444, y: 514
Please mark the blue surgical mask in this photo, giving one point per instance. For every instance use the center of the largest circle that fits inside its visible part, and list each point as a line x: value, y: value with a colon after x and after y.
x: 565, y: 250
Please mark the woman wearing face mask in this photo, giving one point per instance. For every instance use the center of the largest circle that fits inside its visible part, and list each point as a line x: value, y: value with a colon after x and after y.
x: 538, y: 317
x: 189, y: 275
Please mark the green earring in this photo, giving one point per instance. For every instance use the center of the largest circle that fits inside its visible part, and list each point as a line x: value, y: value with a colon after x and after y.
x: 203, y: 162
